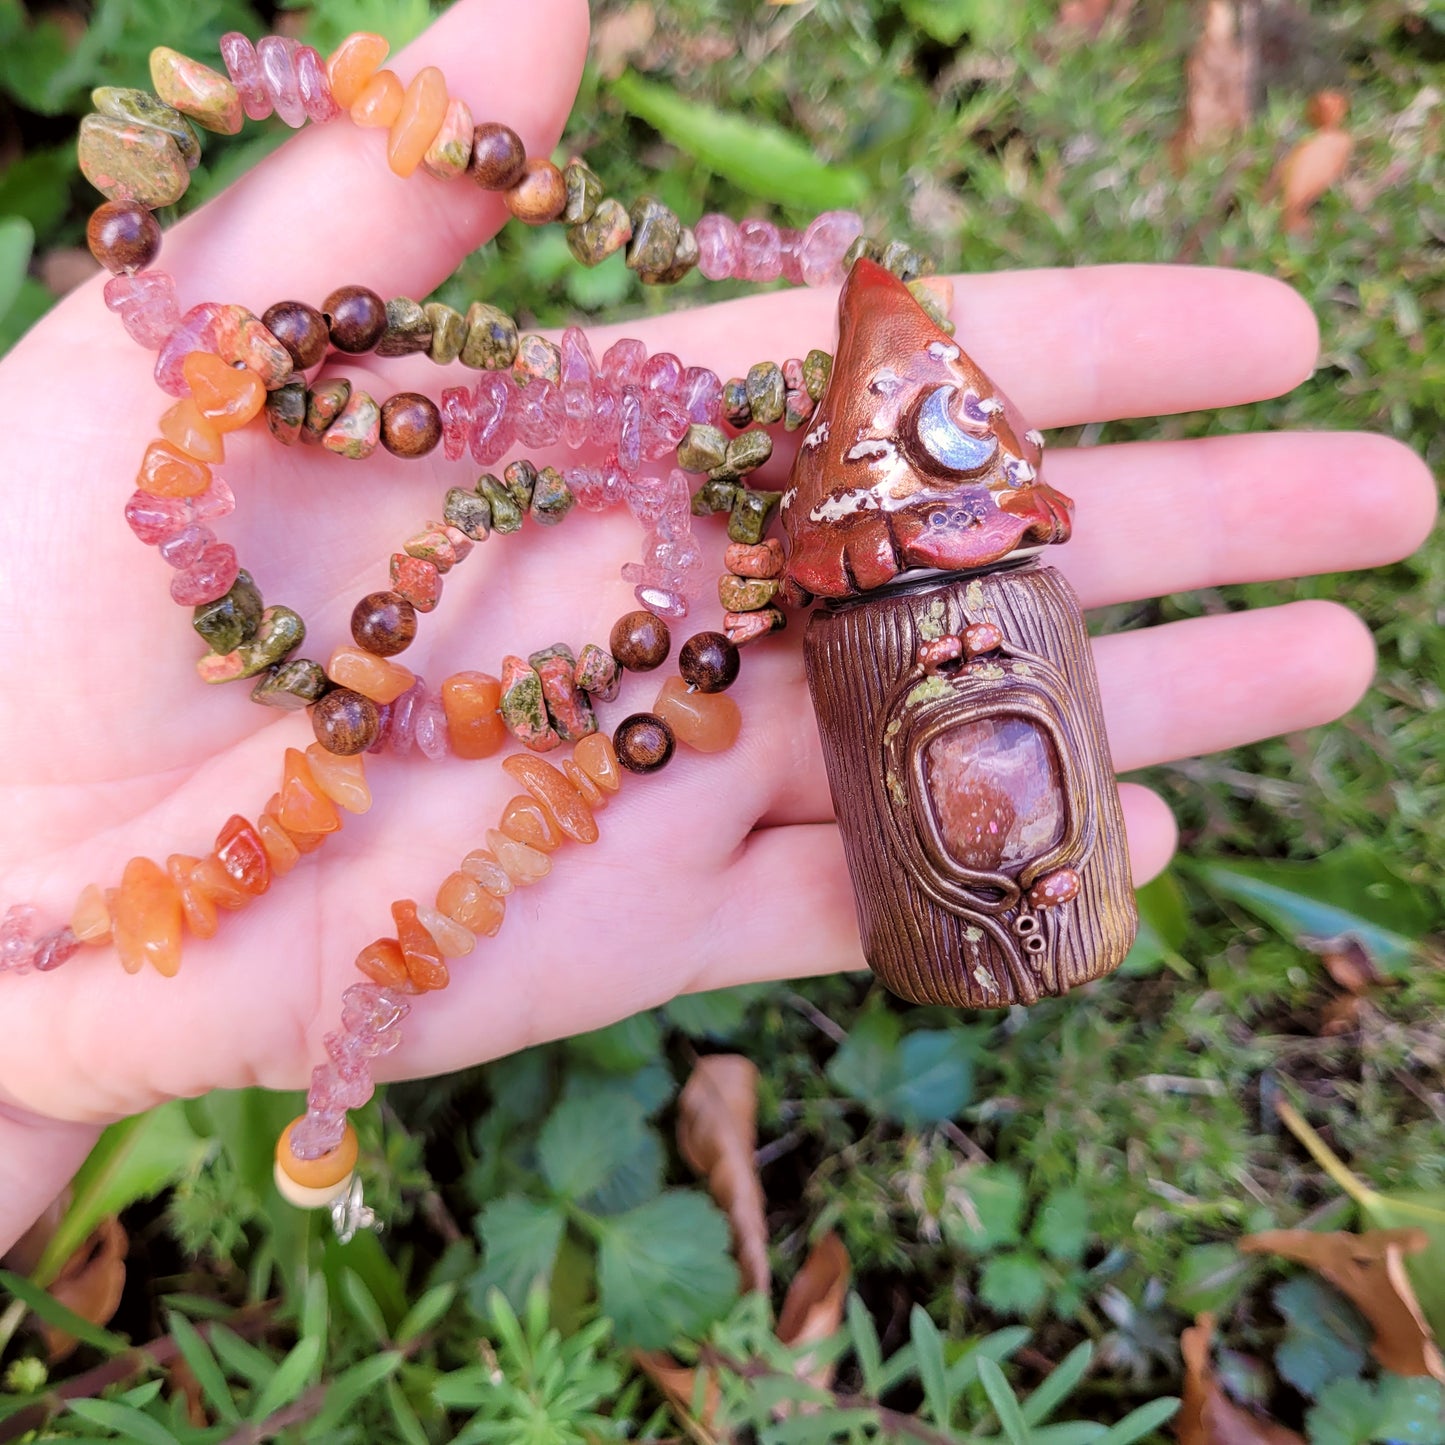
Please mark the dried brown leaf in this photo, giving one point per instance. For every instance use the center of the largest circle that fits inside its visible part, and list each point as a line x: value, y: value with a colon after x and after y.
x: 1312, y: 166
x: 679, y: 1384
x: 621, y: 37
x: 1369, y: 1269
x: 1347, y: 962
x: 717, y: 1132
x: 90, y: 1283
x: 1207, y: 1416
x: 1216, y: 81
x: 813, y: 1308
x: 1340, y: 1016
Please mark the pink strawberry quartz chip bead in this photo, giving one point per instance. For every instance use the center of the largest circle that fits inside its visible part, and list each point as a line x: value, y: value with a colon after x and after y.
x: 154, y: 518
x: 24, y: 946
x: 456, y: 414
x: 243, y: 65
x: 146, y: 304
x: 278, y: 70
x: 761, y: 255
x: 824, y: 245
x: 492, y: 423
x: 311, y: 80
x: 210, y: 576
x: 719, y: 247
x: 186, y: 545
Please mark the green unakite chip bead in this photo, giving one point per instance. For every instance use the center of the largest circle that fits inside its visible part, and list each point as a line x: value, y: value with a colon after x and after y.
x: 735, y: 405
x: 150, y: 110
x: 749, y: 518
x: 904, y: 261
x: 407, y: 328
x: 324, y: 403
x: 230, y: 620
x: 862, y: 247
x: 766, y: 392
x: 468, y: 512
x: 537, y: 360
x: 683, y: 259
x: 746, y: 594
x: 448, y: 332
x: 932, y: 305
x: 520, y: 477
x: 746, y: 452
x: 285, y: 411
x: 817, y: 368
x: 703, y: 448
x: 292, y: 685
x: 552, y: 498
x: 491, y: 343
x: 608, y: 229
x: 506, y: 514
x: 584, y: 191
x: 715, y: 495
x: 127, y: 161
x: 522, y: 705
x: 655, y: 233
x: 281, y: 632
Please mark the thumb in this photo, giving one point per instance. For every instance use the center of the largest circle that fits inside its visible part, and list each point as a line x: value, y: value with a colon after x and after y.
x: 38, y: 1158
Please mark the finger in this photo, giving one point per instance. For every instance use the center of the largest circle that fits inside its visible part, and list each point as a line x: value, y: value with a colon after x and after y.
x: 1257, y: 507
x: 38, y: 1158
x: 326, y: 210
x: 1068, y: 346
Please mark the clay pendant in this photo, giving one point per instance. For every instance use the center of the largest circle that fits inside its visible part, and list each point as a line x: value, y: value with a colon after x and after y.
x: 959, y: 713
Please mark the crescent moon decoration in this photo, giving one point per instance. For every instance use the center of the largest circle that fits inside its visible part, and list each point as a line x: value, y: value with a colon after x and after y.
x: 945, y: 441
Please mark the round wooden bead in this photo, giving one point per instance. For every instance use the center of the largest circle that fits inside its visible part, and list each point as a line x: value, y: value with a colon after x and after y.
x: 328, y: 1170
x: 345, y: 722
x: 644, y: 743
x: 498, y: 156
x: 356, y: 318
x: 411, y: 425
x: 123, y: 236
x: 540, y: 196
x: 709, y: 662
x: 301, y: 329
x: 640, y: 641
x: 384, y: 623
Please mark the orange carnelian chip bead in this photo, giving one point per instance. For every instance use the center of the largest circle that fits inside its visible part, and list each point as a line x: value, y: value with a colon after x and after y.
x: 707, y: 721
x: 529, y: 822
x: 198, y: 908
x: 423, y: 955
x: 524, y: 864
x: 304, y: 807
x: 371, y: 676
x: 90, y: 918
x: 188, y: 431
x: 166, y: 472
x: 423, y: 108
x: 282, y: 852
x: 227, y: 396
x: 470, y: 700
x: 453, y: 940
x: 596, y: 756
x: 343, y: 780
x: 240, y: 851
x: 379, y: 103
x: 211, y: 877
x: 550, y: 788
x: 482, y: 866
x: 382, y: 962
x: 147, y: 925
x: 353, y: 63
x: 464, y: 899
x: 592, y: 795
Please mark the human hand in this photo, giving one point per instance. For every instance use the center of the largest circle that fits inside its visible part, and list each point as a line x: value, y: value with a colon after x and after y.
x: 725, y: 869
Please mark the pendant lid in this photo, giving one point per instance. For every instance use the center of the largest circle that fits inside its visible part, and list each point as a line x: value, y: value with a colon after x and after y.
x: 913, y: 459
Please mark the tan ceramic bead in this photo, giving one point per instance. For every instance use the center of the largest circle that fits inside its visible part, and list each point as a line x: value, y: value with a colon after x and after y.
x: 709, y: 722
x: 320, y: 1173
x: 371, y: 676
x: 524, y: 865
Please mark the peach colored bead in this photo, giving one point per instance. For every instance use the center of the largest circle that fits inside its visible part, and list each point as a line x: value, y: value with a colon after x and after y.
x: 371, y: 676
x: 453, y: 940
x: 379, y: 103
x: 526, y: 820
x: 592, y: 795
x: 422, y: 952
x: 524, y: 865
x: 167, y: 472
x: 483, y: 866
x: 383, y: 962
x: 227, y: 396
x: 188, y: 431
x: 707, y: 721
x: 319, y: 1173
x: 464, y: 899
x: 197, y: 908
x: 211, y: 879
x: 90, y: 919
x: 303, y: 809
x: 552, y: 790
x: 353, y: 63
x: 423, y: 108
x: 343, y: 780
x: 282, y: 852
x: 596, y: 756
x: 148, y: 919
x: 475, y: 726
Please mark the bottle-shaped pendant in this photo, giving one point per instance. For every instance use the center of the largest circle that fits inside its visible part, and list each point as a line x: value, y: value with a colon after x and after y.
x: 951, y: 673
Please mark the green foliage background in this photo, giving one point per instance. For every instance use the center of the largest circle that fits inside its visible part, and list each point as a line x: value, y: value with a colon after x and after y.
x: 1057, y: 1189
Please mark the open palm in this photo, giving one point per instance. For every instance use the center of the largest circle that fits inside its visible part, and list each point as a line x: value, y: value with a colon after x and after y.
x: 724, y: 869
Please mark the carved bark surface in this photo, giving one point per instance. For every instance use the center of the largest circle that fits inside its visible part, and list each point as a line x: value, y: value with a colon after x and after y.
x: 939, y: 924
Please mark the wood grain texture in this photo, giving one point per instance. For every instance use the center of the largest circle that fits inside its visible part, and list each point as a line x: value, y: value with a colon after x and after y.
x: 933, y: 930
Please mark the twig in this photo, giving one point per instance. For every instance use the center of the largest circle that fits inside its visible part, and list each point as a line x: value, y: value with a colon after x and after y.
x: 816, y: 1017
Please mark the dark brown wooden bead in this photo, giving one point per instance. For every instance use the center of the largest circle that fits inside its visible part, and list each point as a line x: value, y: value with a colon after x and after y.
x: 644, y: 743
x: 540, y: 196
x: 356, y: 316
x: 411, y: 425
x: 709, y: 662
x: 123, y: 236
x: 498, y: 156
x: 301, y: 329
x: 640, y: 641
x: 384, y: 623
x: 345, y: 722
